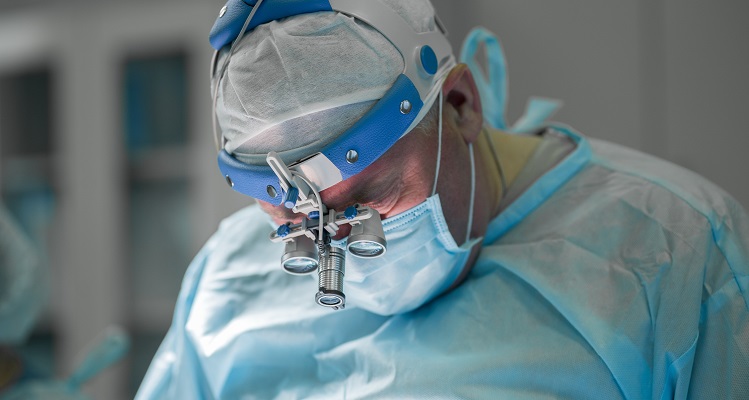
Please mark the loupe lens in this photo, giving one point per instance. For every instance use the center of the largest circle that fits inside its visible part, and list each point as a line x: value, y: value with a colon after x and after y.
x: 367, y: 238
x: 300, y: 265
x: 329, y: 300
x: 366, y: 248
x: 300, y: 256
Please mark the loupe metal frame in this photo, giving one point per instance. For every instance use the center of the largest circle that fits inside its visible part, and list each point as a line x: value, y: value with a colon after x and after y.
x: 302, y: 240
x: 301, y: 247
x: 369, y: 230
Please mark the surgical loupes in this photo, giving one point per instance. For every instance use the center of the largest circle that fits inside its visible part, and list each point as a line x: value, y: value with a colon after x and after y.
x: 308, y: 243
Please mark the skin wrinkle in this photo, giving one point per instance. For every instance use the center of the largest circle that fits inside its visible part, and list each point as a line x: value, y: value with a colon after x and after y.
x: 378, y: 198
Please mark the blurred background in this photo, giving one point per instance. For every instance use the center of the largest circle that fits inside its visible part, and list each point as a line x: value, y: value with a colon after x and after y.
x: 107, y: 161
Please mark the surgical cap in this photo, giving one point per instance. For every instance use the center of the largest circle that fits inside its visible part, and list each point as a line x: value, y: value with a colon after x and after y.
x: 294, y: 85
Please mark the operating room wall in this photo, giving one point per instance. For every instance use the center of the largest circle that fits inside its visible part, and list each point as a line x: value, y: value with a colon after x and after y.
x: 667, y: 77
x: 663, y: 76
x: 101, y: 190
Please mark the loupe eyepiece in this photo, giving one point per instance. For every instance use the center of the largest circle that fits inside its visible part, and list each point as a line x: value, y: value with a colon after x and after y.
x: 331, y: 272
x: 331, y: 298
x: 367, y: 238
x: 300, y: 256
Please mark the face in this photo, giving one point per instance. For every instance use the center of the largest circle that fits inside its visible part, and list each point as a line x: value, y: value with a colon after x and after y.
x: 400, y: 179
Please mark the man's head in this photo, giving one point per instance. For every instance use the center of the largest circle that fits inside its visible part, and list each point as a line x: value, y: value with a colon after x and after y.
x: 296, y: 85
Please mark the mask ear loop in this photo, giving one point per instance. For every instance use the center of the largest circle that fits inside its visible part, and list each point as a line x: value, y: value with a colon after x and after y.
x: 473, y: 193
x: 439, y: 146
x: 224, y: 66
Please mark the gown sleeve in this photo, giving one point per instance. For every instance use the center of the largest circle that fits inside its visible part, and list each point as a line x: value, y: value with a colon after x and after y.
x: 719, y: 358
x: 174, y: 372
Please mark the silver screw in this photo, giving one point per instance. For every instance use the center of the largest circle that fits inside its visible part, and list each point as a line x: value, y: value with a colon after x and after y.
x: 352, y: 156
x: 405, y: 107
x: 228, y: 180
x: 272, y: 191
x: 222, y: 12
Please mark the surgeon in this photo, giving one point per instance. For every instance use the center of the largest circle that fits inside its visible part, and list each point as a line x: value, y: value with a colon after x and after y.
x: 23, y: 293
x: 447, y: 253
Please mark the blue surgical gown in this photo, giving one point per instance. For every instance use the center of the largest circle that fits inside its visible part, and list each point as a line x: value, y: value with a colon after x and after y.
x: 615, y: 275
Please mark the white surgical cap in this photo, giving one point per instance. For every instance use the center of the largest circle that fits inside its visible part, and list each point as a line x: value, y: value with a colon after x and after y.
x: 294, y: 85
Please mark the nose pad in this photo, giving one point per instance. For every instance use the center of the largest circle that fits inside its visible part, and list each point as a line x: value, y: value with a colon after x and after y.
x: 343, y: 231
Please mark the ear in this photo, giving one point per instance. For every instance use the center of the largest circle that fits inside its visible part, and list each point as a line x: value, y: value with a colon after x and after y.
x: 462, y: 102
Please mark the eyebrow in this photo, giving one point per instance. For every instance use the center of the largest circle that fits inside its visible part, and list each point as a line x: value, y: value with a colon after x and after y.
x: 373, y: 192
x: 376, y: 196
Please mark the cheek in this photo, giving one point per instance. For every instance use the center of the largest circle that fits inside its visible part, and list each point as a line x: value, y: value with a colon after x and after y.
x: 456, y: 216
x: 454, y: 188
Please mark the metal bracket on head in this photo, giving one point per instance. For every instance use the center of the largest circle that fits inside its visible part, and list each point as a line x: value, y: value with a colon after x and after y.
x: 298, y: 195
x: 333, y: 220
x: 281, y: 171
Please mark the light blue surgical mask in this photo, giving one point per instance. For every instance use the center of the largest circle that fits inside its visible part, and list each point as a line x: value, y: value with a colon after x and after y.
x: 422, y: 258
x: 422, y: 261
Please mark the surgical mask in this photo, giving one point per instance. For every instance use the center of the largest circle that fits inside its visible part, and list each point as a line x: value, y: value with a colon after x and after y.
x: 422, y: 260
